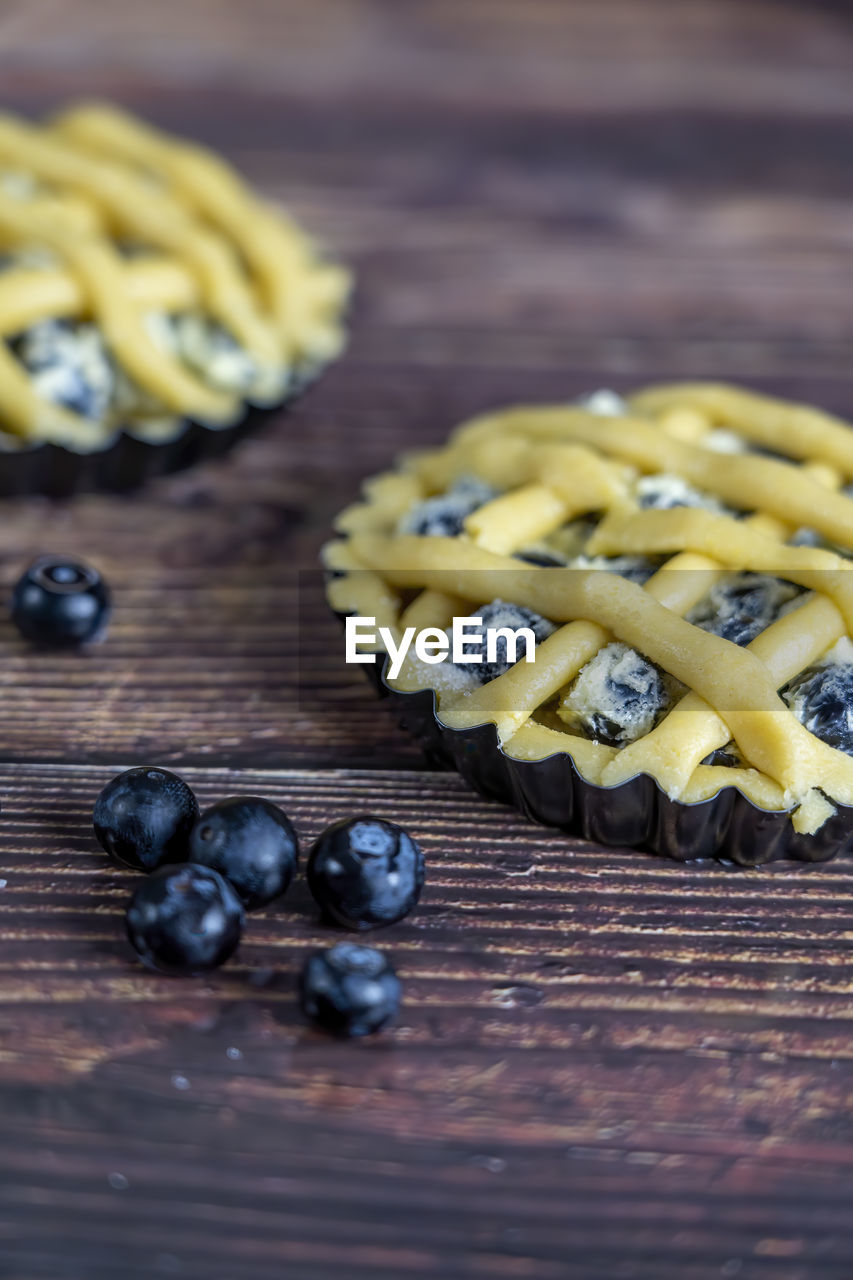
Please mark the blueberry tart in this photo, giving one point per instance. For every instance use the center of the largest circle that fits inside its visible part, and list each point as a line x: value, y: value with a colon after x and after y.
x: 680, y: 565
x: 152, y: 305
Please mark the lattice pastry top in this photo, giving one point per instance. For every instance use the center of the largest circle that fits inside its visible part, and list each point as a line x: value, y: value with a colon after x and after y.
x: 683, y: 558
x: 142, y: 282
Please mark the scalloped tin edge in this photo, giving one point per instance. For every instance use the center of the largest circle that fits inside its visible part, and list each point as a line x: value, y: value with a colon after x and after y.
x: 637, y: 814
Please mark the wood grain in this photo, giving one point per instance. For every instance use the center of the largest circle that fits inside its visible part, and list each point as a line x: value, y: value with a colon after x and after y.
x: 606, y: 1066
x: 589, y: 1039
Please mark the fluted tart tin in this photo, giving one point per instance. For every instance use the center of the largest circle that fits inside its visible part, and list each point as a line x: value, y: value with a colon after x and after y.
x: 680, y: 565
x: 635, y: 814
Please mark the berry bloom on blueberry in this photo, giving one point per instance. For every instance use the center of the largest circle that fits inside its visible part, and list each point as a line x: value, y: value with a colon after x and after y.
x: 61, y: 603
x: 144, y: 817
x: 349, y: 990
x: 365, y: 872
x: 184, y: 919
x: 252, y: 843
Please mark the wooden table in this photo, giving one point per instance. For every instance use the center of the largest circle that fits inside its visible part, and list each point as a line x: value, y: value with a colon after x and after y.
x: 606, y: 1066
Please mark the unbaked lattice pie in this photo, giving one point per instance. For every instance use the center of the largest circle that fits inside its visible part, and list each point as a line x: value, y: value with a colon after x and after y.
x: 143, y: 284
x: 683, y: 559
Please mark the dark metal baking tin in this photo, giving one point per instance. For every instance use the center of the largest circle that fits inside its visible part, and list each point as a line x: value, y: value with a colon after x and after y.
x: 126, y: 461
x: 636, y: 813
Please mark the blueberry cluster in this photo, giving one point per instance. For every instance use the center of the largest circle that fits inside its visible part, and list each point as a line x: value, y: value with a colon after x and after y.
x: 206, y: 870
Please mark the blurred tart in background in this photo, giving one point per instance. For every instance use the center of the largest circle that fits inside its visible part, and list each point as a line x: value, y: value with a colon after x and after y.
x: 152, y: 306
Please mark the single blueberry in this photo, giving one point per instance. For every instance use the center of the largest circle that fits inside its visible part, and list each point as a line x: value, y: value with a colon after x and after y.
x: 349, y: 990
x: 61, y: 603
x: 184, y: 919
x: 365, y: 872
x: 144, y: 817
x: 252, y: 843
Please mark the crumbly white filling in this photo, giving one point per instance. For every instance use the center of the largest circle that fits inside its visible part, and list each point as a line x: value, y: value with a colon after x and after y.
x: 721, y: 440
x: 444, y: 514
x: 635, y: 568
x: 18, y: 184
x: 742, y: 605
x: 617, y: 696
x: 70, y: 367
x: 841, y: 654
x: 822, y: 697
x: 664, y: 491
x: 604, y: 402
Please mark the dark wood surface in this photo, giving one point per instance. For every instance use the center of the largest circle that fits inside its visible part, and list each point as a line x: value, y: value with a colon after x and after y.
x: 606, y: 1066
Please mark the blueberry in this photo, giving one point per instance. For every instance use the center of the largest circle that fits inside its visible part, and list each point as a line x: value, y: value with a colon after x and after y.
x: 498, y: 615
x: 144, y: 817
x: 822, y: 699
x: 61, y: 603
x: 365, y: 872
x: 445, y: 515
x: 349, y: 990
x: 252, y: 843
x: 184, y: 919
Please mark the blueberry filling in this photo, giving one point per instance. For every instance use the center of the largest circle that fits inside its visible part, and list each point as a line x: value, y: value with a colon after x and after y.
x: 727, y: 757
x: 617, y: 697
x: 604, y: 403
x: 444, y: 516
x: 541, y: 557
x: 741, y: 606
x: 69, y: 365
x: 499, y: 615
x: 664, y: 492
x: 822, y: 700
x: 634, y: 568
